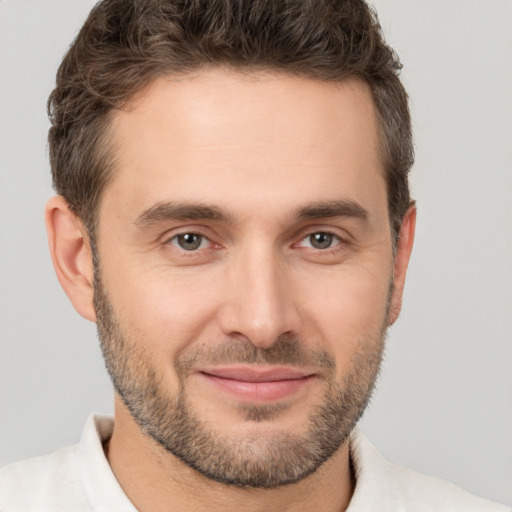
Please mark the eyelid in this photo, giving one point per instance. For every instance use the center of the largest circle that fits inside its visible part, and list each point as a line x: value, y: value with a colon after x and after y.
x: 311, y: 229
x: 192, y: 229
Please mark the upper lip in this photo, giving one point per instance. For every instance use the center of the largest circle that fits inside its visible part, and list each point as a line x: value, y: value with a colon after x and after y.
x: 252, y: 374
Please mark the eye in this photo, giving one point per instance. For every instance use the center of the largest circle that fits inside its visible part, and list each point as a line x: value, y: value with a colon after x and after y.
x: 190, y: 241
x: 320, y: 240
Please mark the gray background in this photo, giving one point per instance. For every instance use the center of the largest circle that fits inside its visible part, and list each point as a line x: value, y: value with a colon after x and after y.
x: 444, y: 402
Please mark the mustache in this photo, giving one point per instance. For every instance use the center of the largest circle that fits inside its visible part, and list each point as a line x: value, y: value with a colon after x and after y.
x: 287, y: 350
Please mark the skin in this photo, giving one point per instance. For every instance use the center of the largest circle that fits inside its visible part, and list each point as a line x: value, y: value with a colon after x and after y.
x: 260, y: 148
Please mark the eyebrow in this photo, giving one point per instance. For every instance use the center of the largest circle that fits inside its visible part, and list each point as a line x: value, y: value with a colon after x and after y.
x: 162, y: 212
x: 340, y: 208
x: 181, y: 211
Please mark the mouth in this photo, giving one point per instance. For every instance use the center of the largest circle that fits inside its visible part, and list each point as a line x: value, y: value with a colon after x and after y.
x: 258, y: 384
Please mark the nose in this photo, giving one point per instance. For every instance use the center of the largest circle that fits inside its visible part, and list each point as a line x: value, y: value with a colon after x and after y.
x: 260, y: 303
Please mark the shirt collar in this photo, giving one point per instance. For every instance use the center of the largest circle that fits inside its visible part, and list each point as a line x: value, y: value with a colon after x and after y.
x: 103, y: 490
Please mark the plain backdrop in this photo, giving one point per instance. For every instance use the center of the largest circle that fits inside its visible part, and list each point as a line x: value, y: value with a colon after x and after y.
x: 444, y: 401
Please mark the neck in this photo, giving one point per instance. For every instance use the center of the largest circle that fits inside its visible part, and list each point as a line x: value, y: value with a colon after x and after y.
x: 155, y: 480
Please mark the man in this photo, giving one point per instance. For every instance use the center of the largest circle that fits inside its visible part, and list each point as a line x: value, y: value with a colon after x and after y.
x: 234, y: 214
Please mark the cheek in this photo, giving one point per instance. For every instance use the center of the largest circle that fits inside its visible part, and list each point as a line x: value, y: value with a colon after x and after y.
x: 163, y: 311
x: 349, y: 309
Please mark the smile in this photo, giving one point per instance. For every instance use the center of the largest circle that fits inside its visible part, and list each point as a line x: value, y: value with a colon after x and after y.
x: 253, y: 385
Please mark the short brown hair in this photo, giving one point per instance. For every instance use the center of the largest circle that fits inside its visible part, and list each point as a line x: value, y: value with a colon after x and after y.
x: 125, y: 44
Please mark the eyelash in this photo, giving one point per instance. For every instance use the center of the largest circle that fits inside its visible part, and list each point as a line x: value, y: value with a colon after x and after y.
x: 174, y: 241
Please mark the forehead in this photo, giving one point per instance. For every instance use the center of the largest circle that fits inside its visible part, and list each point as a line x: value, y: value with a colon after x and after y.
x: 246, y: 139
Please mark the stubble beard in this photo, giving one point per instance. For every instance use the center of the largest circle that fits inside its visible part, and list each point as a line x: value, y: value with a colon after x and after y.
x: 250, y: 460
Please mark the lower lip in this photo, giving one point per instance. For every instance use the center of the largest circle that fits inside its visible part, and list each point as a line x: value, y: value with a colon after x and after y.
x: 258, y: 391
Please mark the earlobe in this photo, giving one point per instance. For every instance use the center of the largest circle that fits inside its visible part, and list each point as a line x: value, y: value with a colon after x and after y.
x: 402, y: 257
x: 71, y: 255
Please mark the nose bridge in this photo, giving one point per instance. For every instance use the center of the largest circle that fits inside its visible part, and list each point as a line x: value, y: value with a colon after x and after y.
x: 259, y: 304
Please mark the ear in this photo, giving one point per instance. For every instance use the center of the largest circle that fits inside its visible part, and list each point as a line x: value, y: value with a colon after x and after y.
x: 71, y: 255
x: 402, y: 256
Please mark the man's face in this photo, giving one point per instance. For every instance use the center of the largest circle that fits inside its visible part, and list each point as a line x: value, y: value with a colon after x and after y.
x: 246, y: 269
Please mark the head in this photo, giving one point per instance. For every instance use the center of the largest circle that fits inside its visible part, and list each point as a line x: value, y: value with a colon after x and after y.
x: 235, y: 216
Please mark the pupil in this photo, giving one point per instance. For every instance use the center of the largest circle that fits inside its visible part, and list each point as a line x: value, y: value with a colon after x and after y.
x: 321, y: 240
x: 189, y: 241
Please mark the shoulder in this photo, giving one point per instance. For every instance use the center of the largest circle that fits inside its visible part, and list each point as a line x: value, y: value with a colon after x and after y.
x: 386, y: 487
x: 48, y: 483
x: 74, y: 479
